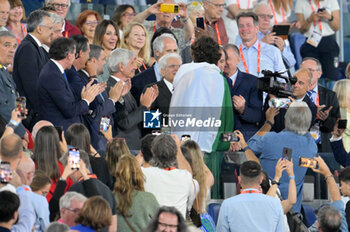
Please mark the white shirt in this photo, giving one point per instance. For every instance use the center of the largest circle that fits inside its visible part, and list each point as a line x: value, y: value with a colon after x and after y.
x: 171, y: 188
x: 234, y: 77
x: 169, y: 85
x: 115, y: 78
x: 36, y: 40
x: 58, y: 65
x: 157, y: 71
x: 303, y: 7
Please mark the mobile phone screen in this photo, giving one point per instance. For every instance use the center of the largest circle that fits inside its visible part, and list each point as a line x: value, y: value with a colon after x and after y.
x: 74, y: 158
x: 287, y: 153
x: 104, y: 124
x: 5, y: 172
x: 342, y: 123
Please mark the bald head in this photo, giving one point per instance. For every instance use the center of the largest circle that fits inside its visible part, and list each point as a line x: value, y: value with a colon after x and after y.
x: 38, y: 126
x: 26, y: 169
x: 11, y: 147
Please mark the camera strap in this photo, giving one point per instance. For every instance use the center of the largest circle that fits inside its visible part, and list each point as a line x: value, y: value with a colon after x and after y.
x: 245, y: 63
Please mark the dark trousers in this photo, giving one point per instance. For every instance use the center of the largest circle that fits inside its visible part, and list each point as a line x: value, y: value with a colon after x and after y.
x: 325, y: 52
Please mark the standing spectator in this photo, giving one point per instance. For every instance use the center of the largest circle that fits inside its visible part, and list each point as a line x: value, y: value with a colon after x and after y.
x: 41, y: 183
x: 344, y: 183
x: 14, y: 22
x: 26, y: 71
x: 135, y: 206
x: 195, y: 10
x: 4, y: 14
x: 9, y: 204
x: 135, y: 39
x: 70, y: 205
x: 57, y: 227
x: 57, y: 31
x: 320, y: 19
x: 269, y: 145
x: 122, y: 16
x: 213, y: 10
x: 87, y: 22
x: 340, y: 154
x: 251, y: 210
x: 145, y: 155
x: 256, y: 56
x: 62, y: 7
x: 281, y: 10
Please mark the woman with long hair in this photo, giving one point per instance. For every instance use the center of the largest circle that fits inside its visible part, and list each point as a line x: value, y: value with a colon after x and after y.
x: 14, y: 21
x: 123, y: 15
x: 135, y: 39
x: 46, y: 155
x: 87, y: 22
x: 135, y: 206
x: 280, y: 9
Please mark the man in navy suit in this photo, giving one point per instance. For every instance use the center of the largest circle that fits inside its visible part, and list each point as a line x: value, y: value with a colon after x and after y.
x: 246, y: 98
x: 340, y: 154
x: 57, y: 103
x: 30, y: 57
x: 162, y: 45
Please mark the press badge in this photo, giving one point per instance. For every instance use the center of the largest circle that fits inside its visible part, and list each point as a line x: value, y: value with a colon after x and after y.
x: 315, y: 38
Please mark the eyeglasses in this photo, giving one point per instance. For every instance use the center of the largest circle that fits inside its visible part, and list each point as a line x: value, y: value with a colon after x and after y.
x: 265, y: 16
x: 76, y: 211
x: 92, y: 23
x: 129, y: 14
x: 49, y: 27
x: 218, y: 5
x: 173, y: 66
x: 57, y: 5
x: 167, y: 225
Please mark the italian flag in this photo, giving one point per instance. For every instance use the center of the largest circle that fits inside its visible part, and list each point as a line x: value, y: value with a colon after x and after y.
x: 201, y: 94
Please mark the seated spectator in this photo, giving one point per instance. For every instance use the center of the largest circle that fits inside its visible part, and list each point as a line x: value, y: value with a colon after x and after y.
x: 62, y: 7
x: 167, y: 217
x: 135, y: 39
x: 14, y: 22
x: 5, y: 7
x: 169, y: 180
x: 57, y: 227
x: 268, y: 146
x: 94, y: 216
x: 41, y: 183
x: 46, y: 155
x: 338, y: 146
x: 87, y: 22
x: 250, y: 210
x: 9, y: 204
x: 145, y: 155
x: 70, y: 205
x: 330, y: 217
x: 122, y: 16
x: 222, y: 62
x: 135, y: 206
x: 163, y: 19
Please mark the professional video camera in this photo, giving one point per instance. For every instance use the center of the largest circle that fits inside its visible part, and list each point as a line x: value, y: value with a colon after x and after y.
x: 270, y: 84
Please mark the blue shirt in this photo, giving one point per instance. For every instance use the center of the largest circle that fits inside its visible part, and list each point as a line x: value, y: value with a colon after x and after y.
x: 26, y: 213
x: 270, y: 58
x: 270, y: 148
x: 251, y: 212
x: 82, y: 228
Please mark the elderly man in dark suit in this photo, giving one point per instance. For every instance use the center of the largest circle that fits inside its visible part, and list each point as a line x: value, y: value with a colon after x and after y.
x: 327, y: 103
x: 246, y: 98
x: 57, y: 103
x: 128, y: 116
x: 30, y: 57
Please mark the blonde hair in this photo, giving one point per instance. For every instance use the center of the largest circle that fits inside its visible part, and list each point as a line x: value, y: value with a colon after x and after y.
x: 145, y: 52
x: 129, y: 177
x: 198, y: 173
x: 282, y: 4
x: 342, y: 89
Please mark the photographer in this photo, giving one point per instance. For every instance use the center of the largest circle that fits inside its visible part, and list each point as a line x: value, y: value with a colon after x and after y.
x: 270, y: 145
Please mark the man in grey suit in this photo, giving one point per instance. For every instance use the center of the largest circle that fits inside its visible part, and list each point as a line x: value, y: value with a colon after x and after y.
x: 8, y: 45
x: 128, y: 116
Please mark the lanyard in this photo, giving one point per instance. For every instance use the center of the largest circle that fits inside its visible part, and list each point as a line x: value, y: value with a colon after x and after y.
x: 66, y: 34
x: 92, y: 176
x: 313, y: 10
x: 169, y: 169
x: 274, y: 14
x: 143, y: 64
x: 239, y: 5
x: 154, y: 26
x: 250, y: 191
x: 317, y: 99
x: 17, y: 37
x: 244, y: 62
x: 218, y: 33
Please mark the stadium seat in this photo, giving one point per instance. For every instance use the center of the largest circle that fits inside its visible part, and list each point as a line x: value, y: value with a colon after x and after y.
x: 309, y: 215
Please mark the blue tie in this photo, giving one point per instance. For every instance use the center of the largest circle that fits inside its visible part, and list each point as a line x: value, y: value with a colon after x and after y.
x: 310, y: 94
x: 65, y: 77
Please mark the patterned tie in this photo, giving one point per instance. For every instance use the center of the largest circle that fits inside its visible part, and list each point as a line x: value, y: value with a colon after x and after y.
x: 310, y: 94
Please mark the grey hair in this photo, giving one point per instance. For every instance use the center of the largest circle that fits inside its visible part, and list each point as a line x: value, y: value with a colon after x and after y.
x: 191, y: 8
x: 117, y: 56
x: 57, y: 227
x: 233, y: 47
x: 7, y: 34
x: 164, y: 151
x: 95, y: 51
x: 56, y: 18
x: 329, y: 218
x: 69, y: 196
x: 259, y: 5
x: 298, y: 118
x: 164, y: 59
x: 158, y: 43
x: 48, y: 2
x: 35, y: 19
x: 318, y: 63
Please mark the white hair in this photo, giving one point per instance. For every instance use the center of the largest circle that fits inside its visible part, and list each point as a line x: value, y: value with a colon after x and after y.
x: 48, y: 1
x: 68, y: 197
x: 298, y: 118
x: 164, y: 59
x: 55, y: 18
x: 117, y: 56
x: 158, y: 43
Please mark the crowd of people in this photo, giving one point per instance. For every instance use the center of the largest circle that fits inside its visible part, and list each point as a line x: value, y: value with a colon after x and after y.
x: 77, y: 154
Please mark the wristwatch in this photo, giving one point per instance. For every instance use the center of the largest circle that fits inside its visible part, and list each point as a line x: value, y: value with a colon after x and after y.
x: 275, y: 182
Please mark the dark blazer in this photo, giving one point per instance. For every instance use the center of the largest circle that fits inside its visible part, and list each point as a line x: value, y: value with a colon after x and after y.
x: 328, y: 98
x: 248, y: 122
x: 139, y: 82
x: 70, y: 29
x: 28, y: 62
x: 162, y: 102
x: 57, y: 103
x: 279, y: 119
x: 340, y: 155
x: 127, y: 118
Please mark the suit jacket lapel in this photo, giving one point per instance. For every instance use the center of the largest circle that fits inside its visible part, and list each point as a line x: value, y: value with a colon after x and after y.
x: 238, y: 81
x: 164, y: 89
